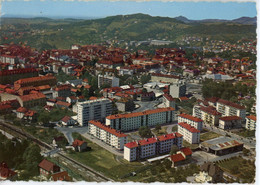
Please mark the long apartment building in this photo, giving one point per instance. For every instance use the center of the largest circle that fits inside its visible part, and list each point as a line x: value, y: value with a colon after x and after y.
x: 132, y: 121
x: 97, y: 109
x: 191, y: 120
x: 209, y: 114
x: 106, y: 134
x: 110, y: 80
x: 251, y: 122
x: 227, y: 108
x: 152, y: 146
x: 190, y: 134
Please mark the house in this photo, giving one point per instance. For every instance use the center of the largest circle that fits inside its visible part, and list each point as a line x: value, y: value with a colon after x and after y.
x: 213, y: 170
x: 47, y: 168
x: 60, y: 176
x: 67, y: 121
x: 5, y: 172
x: 79, y: 145
x: 62, y: 104
x: 180, y: 157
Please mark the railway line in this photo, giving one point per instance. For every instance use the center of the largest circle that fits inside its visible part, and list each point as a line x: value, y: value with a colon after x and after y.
x: 100, y: 177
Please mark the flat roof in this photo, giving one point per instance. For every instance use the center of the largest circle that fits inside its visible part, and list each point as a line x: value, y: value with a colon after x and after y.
x: 221, y: 143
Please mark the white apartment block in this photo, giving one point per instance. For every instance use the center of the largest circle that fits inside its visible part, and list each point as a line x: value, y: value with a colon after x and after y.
x: 191, y: 120
x: 168, y: 101
x: 227, y: 108
x: 106, y: 134
x: 251, y: 122
x: 151, y: 146
x: 132, y: 121
x: 93, y: 110
x: 178, y: 90
x: 190, y: 134
x: 209, y: 114
x: 110, y: 80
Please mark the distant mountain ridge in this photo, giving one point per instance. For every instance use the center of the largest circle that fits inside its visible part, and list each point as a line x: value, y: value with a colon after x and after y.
x: 241, y: 20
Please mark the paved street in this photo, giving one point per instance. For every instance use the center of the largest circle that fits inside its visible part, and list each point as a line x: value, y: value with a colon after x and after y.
x: 146, y: 105
x: 169, y: 127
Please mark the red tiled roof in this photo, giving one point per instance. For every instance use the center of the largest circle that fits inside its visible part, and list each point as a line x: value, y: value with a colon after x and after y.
x: 231, y: 104
x: 22, y: 109
x: 17, y: 71
x: 30, y: 113
x: 252, y: 117
x: 135, y: 114
x: 61, y: 176
x: 177, y: 157
x: 46, y: 165
x: 166, y: 76
x: 230, y: 118
x: 93, y: 98
x: 78, y: 143
x: 168, y: 97
x: 187, y: 116
x: 30, y: 97
x: 107, y: 129
x: 147, y: 141
x: 5, y: 172
x: 187, y: 151
x: 5, y: 107
x: 210, y: 110
x: 188, y: 127
x: 131, y: 144
x: 184, y: 98
x: 62, y: 103
x: 34, y: 79
x: 65, y: 119
x: 169, y: 136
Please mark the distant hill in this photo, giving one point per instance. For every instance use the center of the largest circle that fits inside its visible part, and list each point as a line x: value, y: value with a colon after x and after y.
x: 62, y: 33
x: 241, y: 20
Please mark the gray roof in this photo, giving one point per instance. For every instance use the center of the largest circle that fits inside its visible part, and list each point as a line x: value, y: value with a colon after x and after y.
x: 220, y: 143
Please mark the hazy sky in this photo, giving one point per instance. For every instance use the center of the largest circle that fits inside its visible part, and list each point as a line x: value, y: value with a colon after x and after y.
x: 191, y: 10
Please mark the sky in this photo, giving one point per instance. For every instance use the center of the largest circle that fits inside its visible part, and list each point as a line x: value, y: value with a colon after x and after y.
x: 81, y: 9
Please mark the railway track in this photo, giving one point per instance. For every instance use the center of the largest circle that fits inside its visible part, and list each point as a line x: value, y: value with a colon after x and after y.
x: 47, y: 146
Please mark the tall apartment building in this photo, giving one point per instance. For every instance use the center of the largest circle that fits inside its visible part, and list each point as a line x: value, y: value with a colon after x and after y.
x: 229, y: 122
x: 168, y: 101
x: 97, y: 109
x: 251, y: 122
x: 151, y: 146
x: 191, y: 120
x: 227, y: 108
x: 110, y: 80
x: 178, y: 90
x: 209, y: 114
x: 190, y: 134
x: 10, y: 76
x: 132, y: 121
x: 106, y: 134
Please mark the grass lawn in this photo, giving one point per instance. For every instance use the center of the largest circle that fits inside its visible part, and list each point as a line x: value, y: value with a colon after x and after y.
x: 162, y: 131
x: 175, y: 128
x: 246, y: 133
x: 209, y: 135
x: 105, y: 162
x: 242, y: 168
x: 191, y: 146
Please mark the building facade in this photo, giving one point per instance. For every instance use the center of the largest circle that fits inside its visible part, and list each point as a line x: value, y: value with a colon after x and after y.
x: 106, y: 134
x: 97, y: 109
x: 229, y: 122
x: 227, y: 108
x: 251, y: 122
x: 191, y: 120
x: 152, y: 146
x: 132, y: 121
x: 190, y: 134
x: 110, y: 80
x: 178, y: 90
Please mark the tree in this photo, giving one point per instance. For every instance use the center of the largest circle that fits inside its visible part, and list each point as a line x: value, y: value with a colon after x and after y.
x: 145, y: 132
x: 158, y: 127
x: 145, y: 79
x: 174, y: 149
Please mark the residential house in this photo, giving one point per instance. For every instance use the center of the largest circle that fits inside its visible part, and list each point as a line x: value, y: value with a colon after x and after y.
x: 79, y: 145
x: 48, y: 168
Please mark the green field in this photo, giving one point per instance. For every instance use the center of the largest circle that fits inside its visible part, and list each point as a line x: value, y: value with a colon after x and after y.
x: 209, y: 135
x: 105, y: 162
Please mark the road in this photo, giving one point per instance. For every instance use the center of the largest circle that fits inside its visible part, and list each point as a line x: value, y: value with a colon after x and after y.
x: 146, y: 105
x: 247, y: 143
x: 169, y: 127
